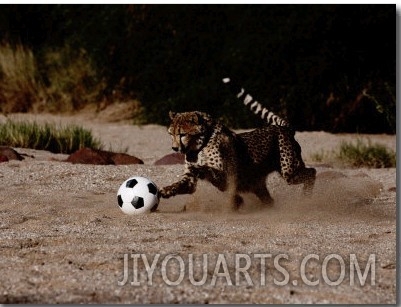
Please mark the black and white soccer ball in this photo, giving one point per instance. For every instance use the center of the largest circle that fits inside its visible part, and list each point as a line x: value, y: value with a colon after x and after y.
x: 137, y: 195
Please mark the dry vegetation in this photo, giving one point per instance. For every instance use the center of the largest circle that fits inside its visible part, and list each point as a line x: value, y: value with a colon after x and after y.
x: 66, y: 80
x: 20, y: 86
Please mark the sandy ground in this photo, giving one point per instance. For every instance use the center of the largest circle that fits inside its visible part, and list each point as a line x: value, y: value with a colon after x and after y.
x: 63, y: 238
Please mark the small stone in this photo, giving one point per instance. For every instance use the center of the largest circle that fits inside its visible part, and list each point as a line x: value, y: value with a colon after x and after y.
x: 3, y: 158
x: 10, y: 154
x: 173, y: 158
x: 101, y: 157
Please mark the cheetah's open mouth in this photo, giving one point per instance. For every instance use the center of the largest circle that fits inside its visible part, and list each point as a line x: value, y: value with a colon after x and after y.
x: 183, y: 150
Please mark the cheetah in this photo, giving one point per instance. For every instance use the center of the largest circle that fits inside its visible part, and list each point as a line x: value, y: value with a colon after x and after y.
x: 215, y: 153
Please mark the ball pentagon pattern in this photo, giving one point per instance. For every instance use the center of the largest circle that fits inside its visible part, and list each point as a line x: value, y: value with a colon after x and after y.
x: 137, y: 195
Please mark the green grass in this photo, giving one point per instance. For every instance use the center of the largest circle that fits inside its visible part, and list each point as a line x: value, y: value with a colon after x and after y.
x: 320, y: 156
x: 361, y: 153
x: 366, y: 154
x: 49, y: 137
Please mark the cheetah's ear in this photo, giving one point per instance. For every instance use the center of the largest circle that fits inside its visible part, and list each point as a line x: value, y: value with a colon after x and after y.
x: 172, y: 114
x: 194, y: 118
x: 202, y: 117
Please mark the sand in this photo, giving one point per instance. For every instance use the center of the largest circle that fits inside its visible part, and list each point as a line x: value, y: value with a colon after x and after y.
x: 63, y: 238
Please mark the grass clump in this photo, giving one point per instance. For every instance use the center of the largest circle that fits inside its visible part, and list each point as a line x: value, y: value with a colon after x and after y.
x: 72, y: 79
x: 320, y: 156
x: 49, y: 137
x: 358, y: 154
x: 366, y: 154
x: 19, y: 82
x: 62, y: 79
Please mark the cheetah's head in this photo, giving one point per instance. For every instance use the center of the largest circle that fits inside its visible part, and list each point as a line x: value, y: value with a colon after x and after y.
x: 189, y: 130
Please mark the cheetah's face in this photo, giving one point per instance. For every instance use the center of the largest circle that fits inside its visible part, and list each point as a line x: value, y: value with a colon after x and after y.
x: 188, y: 130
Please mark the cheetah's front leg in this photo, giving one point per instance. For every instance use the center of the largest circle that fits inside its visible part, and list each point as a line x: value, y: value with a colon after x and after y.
x: 187, y: 185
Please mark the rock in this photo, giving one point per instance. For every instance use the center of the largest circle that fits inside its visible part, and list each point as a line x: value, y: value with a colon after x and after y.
x: 90, y: 156
x: 174, y: 158
x: 124, y: 159
x: 10, y: 154
x: 3, y: 158
x: 101, y: 157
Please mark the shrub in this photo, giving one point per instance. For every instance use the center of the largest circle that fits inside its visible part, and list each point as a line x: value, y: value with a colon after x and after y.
x: 72, y: 81
x: 61, y: 79
x: 361, y: 154
x: 19, y: 83
x: 46, y: 137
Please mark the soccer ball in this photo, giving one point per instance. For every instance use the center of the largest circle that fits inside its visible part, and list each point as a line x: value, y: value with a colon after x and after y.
x: 137, y: 195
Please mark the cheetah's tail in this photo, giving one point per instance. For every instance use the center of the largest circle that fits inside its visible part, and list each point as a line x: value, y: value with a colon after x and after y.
x: 255, y: 106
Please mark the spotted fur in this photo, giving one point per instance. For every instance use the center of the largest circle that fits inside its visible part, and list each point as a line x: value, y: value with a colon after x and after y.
x: 215, y: 153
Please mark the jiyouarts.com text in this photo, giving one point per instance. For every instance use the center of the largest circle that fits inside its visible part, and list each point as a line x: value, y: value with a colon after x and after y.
x: 258, y: 269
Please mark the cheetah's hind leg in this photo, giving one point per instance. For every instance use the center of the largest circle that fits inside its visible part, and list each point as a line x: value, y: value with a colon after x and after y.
x: 309, y: 177
x: 304, y: 175
x: 237, y: 202
x: 261, y: 191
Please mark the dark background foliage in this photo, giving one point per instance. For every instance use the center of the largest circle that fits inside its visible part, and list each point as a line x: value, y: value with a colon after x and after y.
x: 310, y: 63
